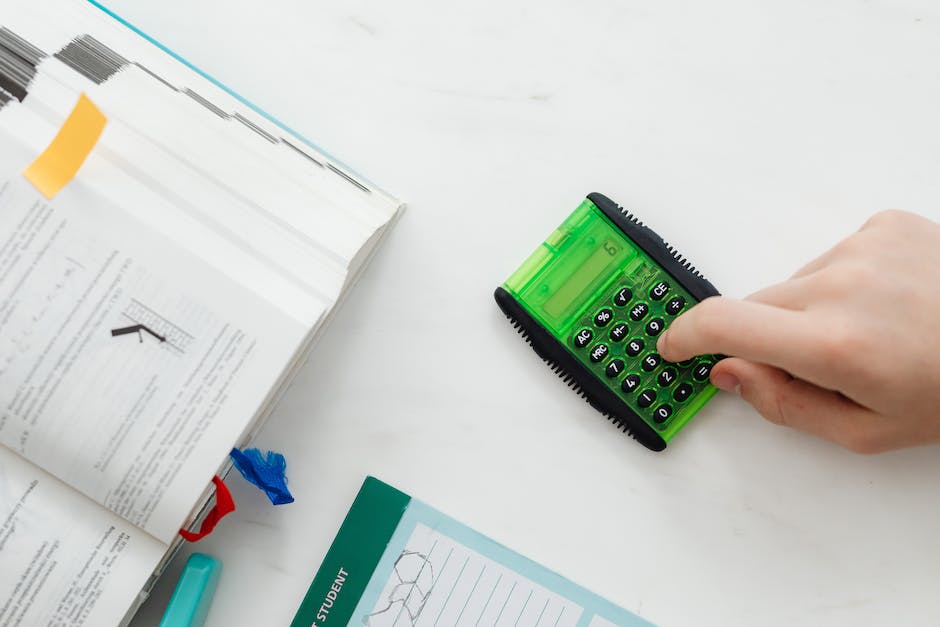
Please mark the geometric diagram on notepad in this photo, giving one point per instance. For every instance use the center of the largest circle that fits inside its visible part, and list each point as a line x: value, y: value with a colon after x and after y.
x: 407, y: 598
x: 145, y: 320
x: 438, y: 581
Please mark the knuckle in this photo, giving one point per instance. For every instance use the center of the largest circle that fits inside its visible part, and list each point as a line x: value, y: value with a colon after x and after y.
x: 709, y: 321
x: 774, y: 408
x: 888, y: 218
x: 862, y: 441
x: 773, y: 402
x: 845, y: 278
x: 839, y: 345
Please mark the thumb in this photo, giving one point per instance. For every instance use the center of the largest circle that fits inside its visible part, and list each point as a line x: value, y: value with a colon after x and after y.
x: 790, y: 402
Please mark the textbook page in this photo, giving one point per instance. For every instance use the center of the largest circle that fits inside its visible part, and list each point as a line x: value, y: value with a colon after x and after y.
x: 128, y: 367
x: 316, y: 196
x: 65, y: 560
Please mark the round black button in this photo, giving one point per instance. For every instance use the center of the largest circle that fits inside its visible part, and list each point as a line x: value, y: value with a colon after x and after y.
x: 599, y: 352
x: 623, y: 297
x: 686, y: 363
x: 630, y: 383
x: 583, y: 338
x: 662, y: 413
x: 614, y: 368
x: 701, y: 371
x: 650, y: 362
x: 646, y: 398
x: 667, y: 377
x: 618, y: 332
x: 639, y: 311
x: 659, y: 290
x: 682, y: 393
x: 675, y: 305
x: 655, y: 326
x: 603, y: 317
x: 634, y: 347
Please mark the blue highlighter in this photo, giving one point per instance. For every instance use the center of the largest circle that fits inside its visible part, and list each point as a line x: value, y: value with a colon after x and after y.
x: 192, y: 597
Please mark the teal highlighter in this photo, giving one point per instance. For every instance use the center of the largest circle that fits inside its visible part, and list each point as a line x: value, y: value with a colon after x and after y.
x: 193, y: 594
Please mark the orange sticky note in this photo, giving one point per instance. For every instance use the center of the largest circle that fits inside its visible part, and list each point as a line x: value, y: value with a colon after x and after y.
x: 58, y: 163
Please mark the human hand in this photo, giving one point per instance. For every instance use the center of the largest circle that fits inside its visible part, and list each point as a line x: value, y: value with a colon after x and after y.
x: 848, y: 349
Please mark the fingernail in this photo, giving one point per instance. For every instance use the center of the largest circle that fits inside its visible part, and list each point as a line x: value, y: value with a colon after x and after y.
x: 727, y: 382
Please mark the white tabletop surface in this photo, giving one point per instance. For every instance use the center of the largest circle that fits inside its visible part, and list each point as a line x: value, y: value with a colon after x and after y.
x: 753, y: 137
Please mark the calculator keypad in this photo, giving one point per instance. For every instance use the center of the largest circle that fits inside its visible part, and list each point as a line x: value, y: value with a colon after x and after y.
x: 674, y: 306
x: 639, y: 311
x: 583, y: 338
x: 623, y: 296
x: 599, y: 352
x: 659, y: 290
x: 646, y: 398
x: 603, y: 317
x: 618, y: 332
x: 623, y: 353
x: 634, y: 347
x: 655, y: 326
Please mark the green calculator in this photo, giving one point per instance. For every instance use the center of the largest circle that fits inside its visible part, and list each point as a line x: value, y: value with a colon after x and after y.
x: 592, y: 300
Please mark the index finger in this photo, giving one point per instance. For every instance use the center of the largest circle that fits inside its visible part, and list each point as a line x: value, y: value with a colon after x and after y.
x: 751, y: 330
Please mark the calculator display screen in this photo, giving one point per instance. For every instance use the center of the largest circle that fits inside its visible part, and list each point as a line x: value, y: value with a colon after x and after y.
x: 592, y: 267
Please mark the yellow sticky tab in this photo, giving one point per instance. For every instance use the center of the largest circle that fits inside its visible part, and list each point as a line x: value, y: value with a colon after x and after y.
x: 58, y: 163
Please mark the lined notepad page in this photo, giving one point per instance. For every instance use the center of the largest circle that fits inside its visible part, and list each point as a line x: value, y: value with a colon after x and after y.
x: 438, y: 581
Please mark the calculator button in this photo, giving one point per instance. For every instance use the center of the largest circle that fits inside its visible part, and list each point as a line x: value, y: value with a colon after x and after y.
x: 630, y: 383
x: 650, y: 362
x: 667, y: 377
x: 659, y: 290
x: 623, y: 297
x: 583, y: 338
x: 701, y: 371
x: 675, y: 305
x: 599, y: 352
x: 686, y: 363
x: 682, y: 393
x: 662, y: 414
x: 634, y: 347
x: 614, y: 368
x: 603, y: 317
x: 655, y: 326
x: 618, y: 332
x: 646, y: 398
x: 639, y: 311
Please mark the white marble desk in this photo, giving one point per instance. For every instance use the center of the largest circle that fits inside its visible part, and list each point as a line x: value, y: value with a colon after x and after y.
x: 751, y: 136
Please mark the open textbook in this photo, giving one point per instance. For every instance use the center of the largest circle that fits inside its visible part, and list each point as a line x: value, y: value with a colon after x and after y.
x: 153, y: 310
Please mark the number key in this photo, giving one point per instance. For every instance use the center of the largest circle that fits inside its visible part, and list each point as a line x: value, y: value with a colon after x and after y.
x: 634, y: 347
x: 630, y: 383
x: 667, y: 377
x: 650, y: 362
x: 662, y: 414
x: 646, y: 398
x: 655, y: 326
x: 614, y: 368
